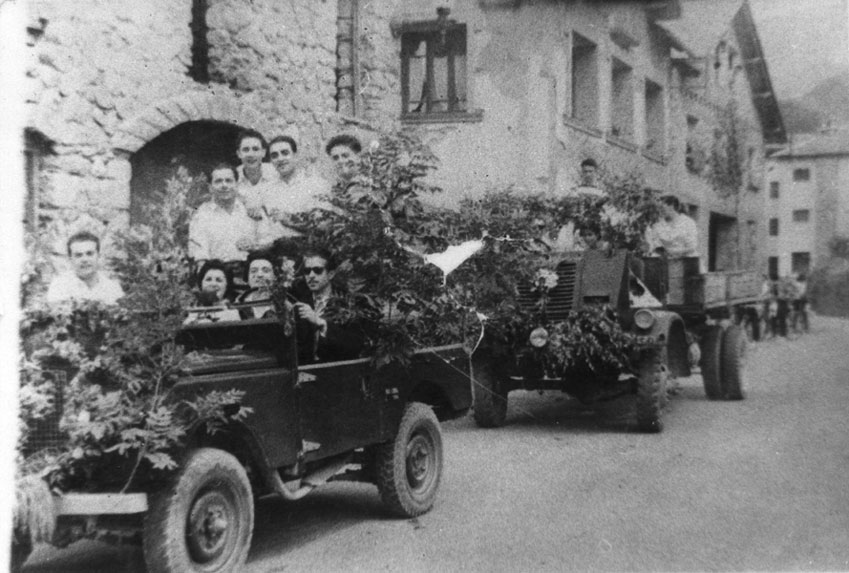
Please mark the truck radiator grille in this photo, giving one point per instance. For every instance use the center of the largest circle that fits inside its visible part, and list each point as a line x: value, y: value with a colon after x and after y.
x: 561, y: 298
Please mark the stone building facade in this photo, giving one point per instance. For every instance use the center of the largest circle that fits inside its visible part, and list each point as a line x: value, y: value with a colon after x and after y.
x: 507, y: 92
x: 113, y: 88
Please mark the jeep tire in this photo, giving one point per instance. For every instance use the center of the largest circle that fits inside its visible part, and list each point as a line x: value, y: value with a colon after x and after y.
x: 711, y: 364
x: 409, y: 468
x: 203, y: 521
x: 490, y: 398
x: 733, y: 362
x: 652, y: 381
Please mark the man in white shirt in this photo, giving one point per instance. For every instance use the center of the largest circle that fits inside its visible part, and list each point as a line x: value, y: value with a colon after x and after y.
x: 344, y: 151
x: 220, y: 228
x: 292, y: 191
x: 589, y: 176
x: 675, y: 233
x: 85, y: 281
x: 253, y: 171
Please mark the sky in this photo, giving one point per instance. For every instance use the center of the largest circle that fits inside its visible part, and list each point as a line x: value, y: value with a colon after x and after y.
x: 805, y: 41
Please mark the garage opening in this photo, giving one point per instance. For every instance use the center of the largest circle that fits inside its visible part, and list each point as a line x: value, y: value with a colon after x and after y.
x: 195, y: 146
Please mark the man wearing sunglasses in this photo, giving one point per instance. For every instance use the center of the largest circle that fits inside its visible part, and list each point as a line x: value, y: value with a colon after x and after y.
x: 320, y: 339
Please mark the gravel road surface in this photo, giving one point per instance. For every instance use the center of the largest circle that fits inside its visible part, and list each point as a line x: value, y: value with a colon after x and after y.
x: 761, y: 484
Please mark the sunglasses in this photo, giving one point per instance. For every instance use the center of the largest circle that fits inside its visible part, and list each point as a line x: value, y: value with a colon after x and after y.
x: 315, y: 270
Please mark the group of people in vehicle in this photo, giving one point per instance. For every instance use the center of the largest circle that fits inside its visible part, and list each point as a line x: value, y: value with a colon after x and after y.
x: 231, y: 237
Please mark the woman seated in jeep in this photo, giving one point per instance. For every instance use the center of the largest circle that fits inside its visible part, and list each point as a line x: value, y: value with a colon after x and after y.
x: 213, y: 299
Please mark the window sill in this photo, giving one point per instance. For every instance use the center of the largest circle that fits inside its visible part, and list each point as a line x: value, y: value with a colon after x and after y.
x: 621, y: 143
x: 582, y: 127
x: 654, y: 156
x: 474, y: 116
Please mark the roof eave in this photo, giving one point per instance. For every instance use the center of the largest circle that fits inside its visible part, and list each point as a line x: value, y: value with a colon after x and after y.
x: 754, y: 62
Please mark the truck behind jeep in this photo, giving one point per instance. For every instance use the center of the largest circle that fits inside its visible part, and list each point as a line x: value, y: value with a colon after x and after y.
x: 638, y: 292
x: 311, y: 424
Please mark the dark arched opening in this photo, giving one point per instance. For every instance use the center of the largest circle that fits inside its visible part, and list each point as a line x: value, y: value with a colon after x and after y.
x: 194, y: 145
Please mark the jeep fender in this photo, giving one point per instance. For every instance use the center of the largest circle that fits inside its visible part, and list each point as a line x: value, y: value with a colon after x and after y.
x: 669, y: 329
x: 237, y: 439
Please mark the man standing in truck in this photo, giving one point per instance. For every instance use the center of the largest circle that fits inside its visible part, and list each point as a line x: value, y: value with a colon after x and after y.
x: 675, y: 234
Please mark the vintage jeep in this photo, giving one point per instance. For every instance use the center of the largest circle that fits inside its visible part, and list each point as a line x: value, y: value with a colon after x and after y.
x: 311, y: 423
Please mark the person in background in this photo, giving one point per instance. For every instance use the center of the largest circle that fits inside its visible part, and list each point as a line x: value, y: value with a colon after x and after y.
x: 785, y: 292
x: 769, y: 306
x: 800, y: 303
x: 251, y: 150
x: 85, y: 281
x: 675, y: 234
x: 220, y: 228
x: 589, y: 238
x: 344, y: 151
x: 589, y: 179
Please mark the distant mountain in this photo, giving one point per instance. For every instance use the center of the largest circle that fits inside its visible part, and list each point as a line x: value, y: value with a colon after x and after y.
x: 827, y: 102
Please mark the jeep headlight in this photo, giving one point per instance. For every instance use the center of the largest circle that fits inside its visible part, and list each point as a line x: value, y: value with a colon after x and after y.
x: 538, y: 337
x: 644, y: 319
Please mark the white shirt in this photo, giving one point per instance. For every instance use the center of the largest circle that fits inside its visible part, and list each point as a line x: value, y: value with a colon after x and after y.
x: 68, y: 285
x: 244, y: 185
x: 214, y: 232
x: 301, y: 193
x: 680, y: 237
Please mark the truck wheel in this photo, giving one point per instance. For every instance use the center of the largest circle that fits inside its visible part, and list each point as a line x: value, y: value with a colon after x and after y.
x: 204, y: 520
x: 755, y: 322
x: 651, y: 390
x: 410, y: 467
x: 712, y: 361
x: 733, y: 361
x: 490, y: 399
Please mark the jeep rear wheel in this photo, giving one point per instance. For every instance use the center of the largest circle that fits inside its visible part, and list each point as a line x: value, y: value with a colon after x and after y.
x: 651, y: 390
x: 490, y: 397
x: 733, y: 362
x: 711, y: 364
x: 409, y: 468
x: 204, y: 520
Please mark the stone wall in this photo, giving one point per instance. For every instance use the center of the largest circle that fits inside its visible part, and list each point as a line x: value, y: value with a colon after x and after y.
x: 281, y: 57
x: 105, y: 77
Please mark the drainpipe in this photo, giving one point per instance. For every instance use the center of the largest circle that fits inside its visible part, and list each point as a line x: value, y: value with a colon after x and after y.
x: 347, y: 57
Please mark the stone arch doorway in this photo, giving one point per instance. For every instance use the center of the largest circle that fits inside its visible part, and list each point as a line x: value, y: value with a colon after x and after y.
x: 194, y: 145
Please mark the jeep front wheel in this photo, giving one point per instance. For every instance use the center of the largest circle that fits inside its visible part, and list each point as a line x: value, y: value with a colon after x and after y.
x: 490, y: 398
x: 204, y: 520
x: 409, y: 468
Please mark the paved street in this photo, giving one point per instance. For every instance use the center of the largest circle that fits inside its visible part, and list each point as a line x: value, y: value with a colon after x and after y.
x: 753, y: 485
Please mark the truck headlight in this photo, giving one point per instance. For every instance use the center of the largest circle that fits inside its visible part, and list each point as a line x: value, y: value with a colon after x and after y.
x: 538, y: 337
x: 644, y: 318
